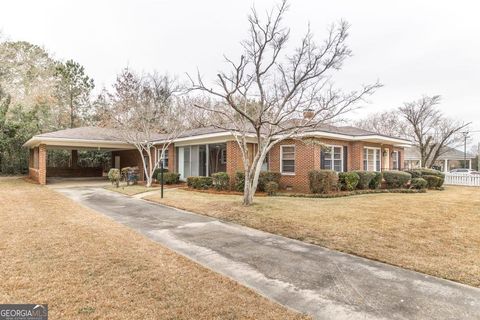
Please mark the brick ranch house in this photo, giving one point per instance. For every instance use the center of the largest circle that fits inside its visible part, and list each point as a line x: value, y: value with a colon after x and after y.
x: 201, y: 152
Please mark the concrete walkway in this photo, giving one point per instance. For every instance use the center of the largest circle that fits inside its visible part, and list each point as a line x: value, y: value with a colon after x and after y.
x: 323, y: 283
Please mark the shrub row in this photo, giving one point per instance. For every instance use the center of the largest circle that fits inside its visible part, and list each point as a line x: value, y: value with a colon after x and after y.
x: 328, y: 181
x: 434, y: 178
x: 354, y: 193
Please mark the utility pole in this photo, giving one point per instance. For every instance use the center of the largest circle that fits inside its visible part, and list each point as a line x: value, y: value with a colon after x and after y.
x: 465, y: 136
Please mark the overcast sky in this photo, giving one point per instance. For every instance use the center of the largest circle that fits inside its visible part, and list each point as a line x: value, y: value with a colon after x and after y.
x: 412, y: 47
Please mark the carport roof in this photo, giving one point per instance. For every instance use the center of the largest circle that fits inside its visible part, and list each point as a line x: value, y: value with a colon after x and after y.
x: 83, y: 137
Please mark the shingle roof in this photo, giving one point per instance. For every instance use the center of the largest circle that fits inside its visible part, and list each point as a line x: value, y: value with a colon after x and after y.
x: 449, y: 154
x: 107, y: 134
x: 88, y: 133
x: 345, y: 130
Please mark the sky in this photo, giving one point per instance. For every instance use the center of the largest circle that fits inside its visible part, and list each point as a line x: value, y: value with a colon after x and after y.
x: 413, y: 48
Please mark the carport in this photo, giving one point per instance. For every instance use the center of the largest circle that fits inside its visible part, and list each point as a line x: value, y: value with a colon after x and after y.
x: 75, y: 140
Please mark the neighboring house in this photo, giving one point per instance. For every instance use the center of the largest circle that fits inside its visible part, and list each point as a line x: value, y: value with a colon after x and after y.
x: 448, y: 160
x: 201, y: 152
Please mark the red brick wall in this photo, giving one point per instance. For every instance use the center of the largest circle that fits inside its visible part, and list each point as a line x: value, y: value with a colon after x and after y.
x: 129, y: 158
x: 307, y: 158
x: 38, y: 173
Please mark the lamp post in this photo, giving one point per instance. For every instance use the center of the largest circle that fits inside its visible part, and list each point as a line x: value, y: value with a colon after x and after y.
x: 161, y: 177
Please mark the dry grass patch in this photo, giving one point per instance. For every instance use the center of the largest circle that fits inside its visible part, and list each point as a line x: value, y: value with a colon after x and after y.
x: 131, y: 190
x: 437, y: 233
x: 85, y: 266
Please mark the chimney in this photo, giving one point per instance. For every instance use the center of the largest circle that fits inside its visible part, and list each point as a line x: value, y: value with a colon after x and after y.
x: 308, y: 114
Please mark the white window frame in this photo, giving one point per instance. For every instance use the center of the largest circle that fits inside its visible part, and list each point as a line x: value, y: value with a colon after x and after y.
x: 374, y: 159
x: 396, y: 159
x: 159, y: 156
x: 223, y: 156
x: 333, y: 157
x: 294, y: 160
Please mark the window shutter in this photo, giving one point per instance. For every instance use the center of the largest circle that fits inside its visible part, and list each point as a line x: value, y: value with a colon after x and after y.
x: 399, y: 163
x: 322, y: 159
x: 345, y: 158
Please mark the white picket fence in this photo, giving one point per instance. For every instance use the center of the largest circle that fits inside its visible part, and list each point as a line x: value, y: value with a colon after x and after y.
x: 461, y: 179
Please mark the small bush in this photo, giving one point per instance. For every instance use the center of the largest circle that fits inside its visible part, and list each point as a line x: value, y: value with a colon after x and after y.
x: 436, y: 173
x: 263, y: 179
x: 239, y: 181
x: 157, y: 171
x: 376, y: 182
x: 271, y: 188
x: 418, y: 183
x: 433, y: 182
x: 323, y: 181
x: 266, y: 177
x: 114, y: 176
x: 365, y: 178
x: 168, y: 177
x: 348, y: 181
x: 396, y: 179
x: 199, y: 182
x: 221, y: 180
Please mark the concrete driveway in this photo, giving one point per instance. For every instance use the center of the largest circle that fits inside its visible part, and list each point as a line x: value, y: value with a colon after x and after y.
x: 323, y: 283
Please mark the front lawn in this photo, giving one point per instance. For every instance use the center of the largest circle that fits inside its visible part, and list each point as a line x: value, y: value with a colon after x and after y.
x: 86, y: 266
x: 437, y: 232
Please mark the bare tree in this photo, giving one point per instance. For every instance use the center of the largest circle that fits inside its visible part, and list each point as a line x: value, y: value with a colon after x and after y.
x: 390, y: 123
x: 430, y: 130
x: 144, y: 110
x: 263, y: 95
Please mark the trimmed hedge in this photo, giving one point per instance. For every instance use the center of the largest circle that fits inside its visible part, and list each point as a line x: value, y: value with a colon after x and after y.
x: 323, y: 181
x: 376, y: 182
x: 169, y: 177
x: 199, y: 182
x: 423, y: 172
x: 263, y: 179
x: 433, y: 182
x: 418, y: 183
x: 271, y: 188
x: 355, y: 193
x: 348, y: 180
x: 366, y: 178
x: 220, y: 180
x: 415, y: 173
x: 396, y: 179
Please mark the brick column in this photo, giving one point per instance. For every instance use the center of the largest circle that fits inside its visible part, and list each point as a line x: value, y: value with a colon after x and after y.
x: 355, y: 156
x: 42, y: 164
x: 234, y: 160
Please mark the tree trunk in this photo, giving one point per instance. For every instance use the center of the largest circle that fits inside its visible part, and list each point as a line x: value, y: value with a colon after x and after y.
x: 247, y: 192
